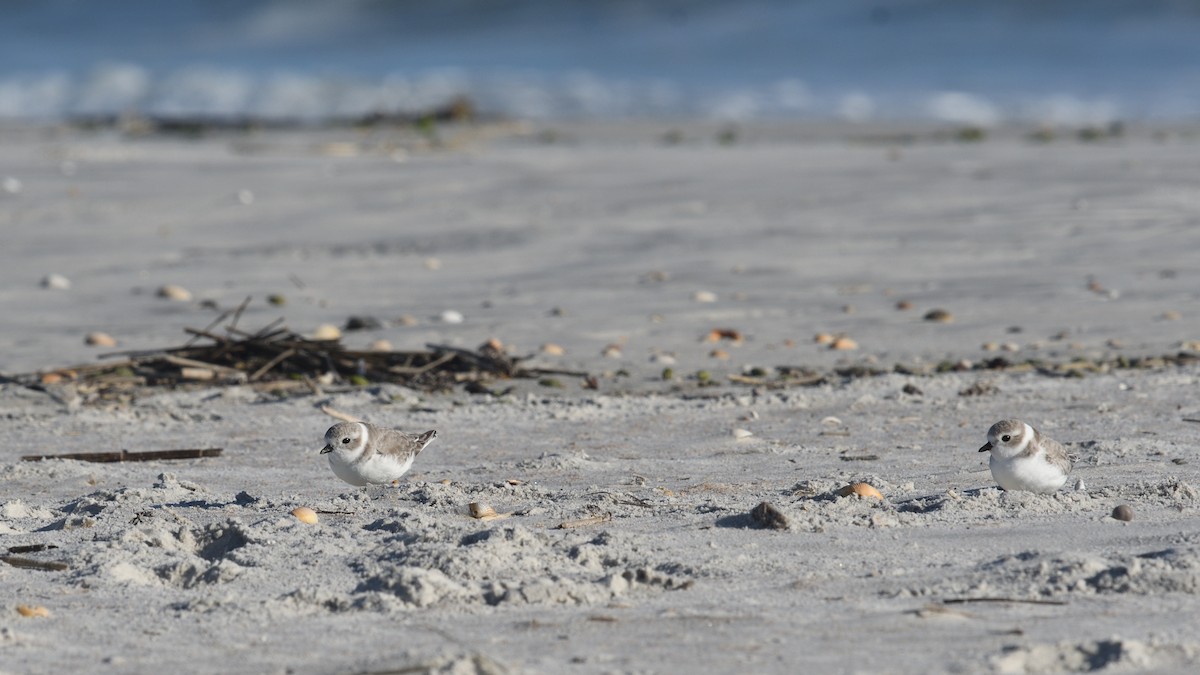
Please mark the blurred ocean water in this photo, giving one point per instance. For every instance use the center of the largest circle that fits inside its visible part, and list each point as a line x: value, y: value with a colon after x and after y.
x: 977, y: 62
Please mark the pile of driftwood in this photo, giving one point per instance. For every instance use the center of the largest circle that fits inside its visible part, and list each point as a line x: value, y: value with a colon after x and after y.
x: 276, y: 358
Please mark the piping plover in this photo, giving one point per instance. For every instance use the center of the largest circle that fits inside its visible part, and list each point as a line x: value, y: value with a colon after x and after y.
x: 1023, y: 459
x: 364, y: 454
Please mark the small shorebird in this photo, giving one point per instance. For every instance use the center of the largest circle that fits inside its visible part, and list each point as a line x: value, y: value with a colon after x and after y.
x: 364, y: 454
x: 1024, y: 459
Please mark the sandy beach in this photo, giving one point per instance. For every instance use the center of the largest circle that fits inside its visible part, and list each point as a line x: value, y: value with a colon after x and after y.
x: 627, y: 543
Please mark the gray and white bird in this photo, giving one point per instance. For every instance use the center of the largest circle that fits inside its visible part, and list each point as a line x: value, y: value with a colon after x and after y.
x: 1024, y: 459
x: 364, y: 454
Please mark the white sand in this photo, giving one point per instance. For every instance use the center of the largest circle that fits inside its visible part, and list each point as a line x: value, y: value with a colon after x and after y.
x: 197, y: 566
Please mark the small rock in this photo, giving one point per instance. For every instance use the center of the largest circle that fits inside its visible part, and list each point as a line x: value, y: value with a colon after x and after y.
x: 1123, y: 512
x: 1011, y: 347
x: 939, y: 316
x: 552, y: 349
x: 704, y: 296
x: 56, y: 282
x: 766, y: 515
x: 989, y: 346
x: 912, y: 390
x: 823, y: 338
x: 719, y: 354
x: 99, y: 339
x: 327, y: 331
x: 277, y: 299
x: 844, y: 344
x: 363, y: 323
x: 451, y: 316
x: 174, y: 293
x: 904, y: 305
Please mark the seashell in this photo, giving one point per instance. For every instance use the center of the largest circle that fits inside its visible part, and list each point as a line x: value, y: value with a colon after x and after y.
x: 1123, y: 512
x: 553, y: 349
x: 704, y: 296
x: 174, y: 293
x: 843, y: 344
x: 99, y: 339
x: 327, y: 331
x: 480, y: 510
x: 989, y: 346
x: 860, y: 489
x: 939, y: 316
x: 305, y: 515
x: 52, y: 378
x: 451, y: 316
x: 1010, y: 347
x: 33, y: 611
x: 739, y: 434
x: 56, y: 282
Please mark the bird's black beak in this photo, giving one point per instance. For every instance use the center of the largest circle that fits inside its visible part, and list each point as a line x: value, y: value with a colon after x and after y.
x: 327, y: 448
x: 986, y: 446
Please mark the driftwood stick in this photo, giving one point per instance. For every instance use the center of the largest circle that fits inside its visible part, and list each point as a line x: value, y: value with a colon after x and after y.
x: 345, y: 417
x: 192, y: 363
x: 237, y: 314
x: 584, y: 522
x: 211, y: 325
x: 203, y: 333
x: 31, y: 564
x: 126, y: 456
x: 961, y: 601
x: 279, y: 358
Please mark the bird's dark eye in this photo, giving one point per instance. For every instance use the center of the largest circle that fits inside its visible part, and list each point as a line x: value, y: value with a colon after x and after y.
x: 1006, y: 438
x: 346, y: 441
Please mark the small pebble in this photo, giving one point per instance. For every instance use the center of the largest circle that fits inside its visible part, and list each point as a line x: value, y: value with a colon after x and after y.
x: 704, y: 296
x: 663, y: 358
x: 174, y: 293
x: 277, y: 299
x: 612, y: 351
x: 939, y: 316
x: 844, y: 344
x: 552, y: 349
x: 912, y: 390
x: 904, y: 305
x: 327, y: 331
x: 305, y: 515
x: 1011, y: 347
x: 451, y: 316
x: 823, y: 338
x: 98, y: 339
x: 1123, y: 512
x: 407, y: 320
x: 56, y: 282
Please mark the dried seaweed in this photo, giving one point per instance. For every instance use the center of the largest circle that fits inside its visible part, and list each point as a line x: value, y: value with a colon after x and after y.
x: 276, y: 358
